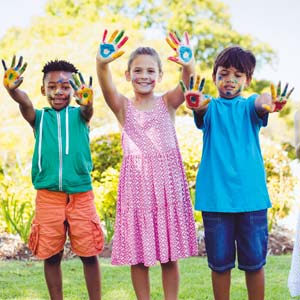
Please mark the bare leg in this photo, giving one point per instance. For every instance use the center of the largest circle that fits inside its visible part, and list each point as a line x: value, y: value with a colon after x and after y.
x: 255, y: 282
x: 140, y: 281
x: 170, y: 280
x: 221, y: 285
x: 53, y: 276
x: 92, y: 276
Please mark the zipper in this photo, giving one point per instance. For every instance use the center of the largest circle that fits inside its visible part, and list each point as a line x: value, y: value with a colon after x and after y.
x: 59, y: 151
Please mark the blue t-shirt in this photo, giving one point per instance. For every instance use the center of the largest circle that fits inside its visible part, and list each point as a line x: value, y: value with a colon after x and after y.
x: 231, y: 176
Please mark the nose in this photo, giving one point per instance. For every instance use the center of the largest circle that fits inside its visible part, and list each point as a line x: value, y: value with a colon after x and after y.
x: 58, y: 91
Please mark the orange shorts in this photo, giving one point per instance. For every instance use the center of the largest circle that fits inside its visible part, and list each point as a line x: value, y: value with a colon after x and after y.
x: 57, y: 214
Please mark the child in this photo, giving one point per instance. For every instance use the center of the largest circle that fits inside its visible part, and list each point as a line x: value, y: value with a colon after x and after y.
x: 154, y: 219
x: 61, y: 168
x: 231, y: 186
x: 294, y: 275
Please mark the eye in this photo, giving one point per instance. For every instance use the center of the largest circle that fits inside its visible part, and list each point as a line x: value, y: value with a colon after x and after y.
x: 51, y: 87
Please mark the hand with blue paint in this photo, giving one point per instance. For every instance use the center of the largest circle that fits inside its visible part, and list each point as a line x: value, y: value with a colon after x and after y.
x: 83, y: 93
x: 110, y: 50
x: 194, y: 98
x: 184, y: 53
x: 12, y: 76
x: 279, y: 98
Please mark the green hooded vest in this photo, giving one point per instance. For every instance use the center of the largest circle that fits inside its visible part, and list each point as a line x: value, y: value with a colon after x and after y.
x: 62, y: 157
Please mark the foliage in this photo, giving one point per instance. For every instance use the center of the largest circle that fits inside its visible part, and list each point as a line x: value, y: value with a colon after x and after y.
x: 280, y: 181
x: 17, y: 203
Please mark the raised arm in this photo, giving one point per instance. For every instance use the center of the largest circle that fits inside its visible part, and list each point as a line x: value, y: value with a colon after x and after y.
x: 274, y: 102
x: 108, y: 52
x: 12, y: 80
x: 184, y: 56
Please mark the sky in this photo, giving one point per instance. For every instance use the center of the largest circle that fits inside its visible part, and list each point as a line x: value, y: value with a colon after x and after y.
x: 271, y: 21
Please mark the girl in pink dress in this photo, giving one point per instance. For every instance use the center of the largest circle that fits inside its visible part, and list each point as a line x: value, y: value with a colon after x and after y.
x: 154, y: 221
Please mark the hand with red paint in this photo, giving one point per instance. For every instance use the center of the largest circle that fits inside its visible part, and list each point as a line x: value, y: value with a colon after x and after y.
x: 194, y: 98
x: 110, y: 50
x: 12, y: 76
x: 83, y: 93
x: 184, y: 53
x: 279, y: 99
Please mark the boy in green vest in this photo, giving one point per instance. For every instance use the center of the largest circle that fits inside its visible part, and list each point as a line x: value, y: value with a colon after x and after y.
x: 61, y: 167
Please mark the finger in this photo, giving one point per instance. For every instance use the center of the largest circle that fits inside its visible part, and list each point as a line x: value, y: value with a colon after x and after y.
x: 172, y: 58
x: 289, y: 93
x: 279, y: 88
x: 206, y: 101
x: 285, y: 90
x: 125, y: 39
x: 19, y: 63
x: 191, y: 82
x: 273, y: 93
x: 112, y: 37
x: 174, y: 38
x: 267, y: 107
x: 119, y: 36
x: 22, y: 70
x: 75, y: 88
x: 187, y: 40
x: 177, y: 36
x: 104, y: 36
x: 201, y: 86
x: 4, y: 65
x: 18, y: 82
x: 90, y: 82
x: 13, y: 61
x: 182, y: 85
x: 81, y: 78
x: 77, y: 82
x: 118, y: 54
x: 172, y: 45
x: 197, y: 82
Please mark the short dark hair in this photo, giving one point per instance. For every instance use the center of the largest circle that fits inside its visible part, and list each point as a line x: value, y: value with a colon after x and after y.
x: 144, y: 51
x: 237, y: 57
x: 58, y: 65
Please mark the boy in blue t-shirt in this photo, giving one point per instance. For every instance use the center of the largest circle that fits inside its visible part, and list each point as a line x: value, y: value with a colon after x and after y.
x: 231, y: 188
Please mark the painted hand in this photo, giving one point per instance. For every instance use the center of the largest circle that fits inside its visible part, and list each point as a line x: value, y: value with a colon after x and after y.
x: 279, y: 99
x: 12, y: 76
x: 193, y: 96
x: 109, y: 51
x: 184, y: 53
x: 83, y: 93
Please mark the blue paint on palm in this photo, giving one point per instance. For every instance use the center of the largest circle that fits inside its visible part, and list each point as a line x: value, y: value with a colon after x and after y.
x: 106, y: 50
x: 185, y: 53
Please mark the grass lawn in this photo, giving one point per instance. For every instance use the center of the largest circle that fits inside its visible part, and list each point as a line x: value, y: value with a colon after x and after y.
x: 25, y: 281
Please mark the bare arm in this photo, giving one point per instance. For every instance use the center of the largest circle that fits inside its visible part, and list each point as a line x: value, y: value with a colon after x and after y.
x: 297, y: 132
x: 184, y: 57
x: 12, y: 80
x: 108, y: 52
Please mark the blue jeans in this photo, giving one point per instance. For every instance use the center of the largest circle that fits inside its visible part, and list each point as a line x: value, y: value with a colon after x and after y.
x: 229, y: 233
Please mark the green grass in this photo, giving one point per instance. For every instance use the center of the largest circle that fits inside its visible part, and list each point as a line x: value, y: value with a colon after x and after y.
x: 25, y: 281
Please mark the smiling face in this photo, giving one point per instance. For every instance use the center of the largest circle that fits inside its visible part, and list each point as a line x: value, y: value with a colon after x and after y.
x: 57, y: 89
x: 144, y: 74
x: 230, y: 82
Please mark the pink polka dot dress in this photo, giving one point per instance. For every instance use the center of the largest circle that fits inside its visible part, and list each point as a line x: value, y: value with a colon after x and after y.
x: 154, y: 219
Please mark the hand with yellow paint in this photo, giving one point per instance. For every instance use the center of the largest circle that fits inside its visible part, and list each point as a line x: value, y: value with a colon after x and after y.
x: 279, y: 99
x: 12, y: 76
x: 184, y: 53
x: 83, y: 93
x: 110, y: 50
x: 194, y: 98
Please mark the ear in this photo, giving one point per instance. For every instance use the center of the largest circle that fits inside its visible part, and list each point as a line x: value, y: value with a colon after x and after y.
x: 43, y: 90
x: 127, y: 76
x: 248, y: 81
x: 160, y: 76
x: 213, y: 76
